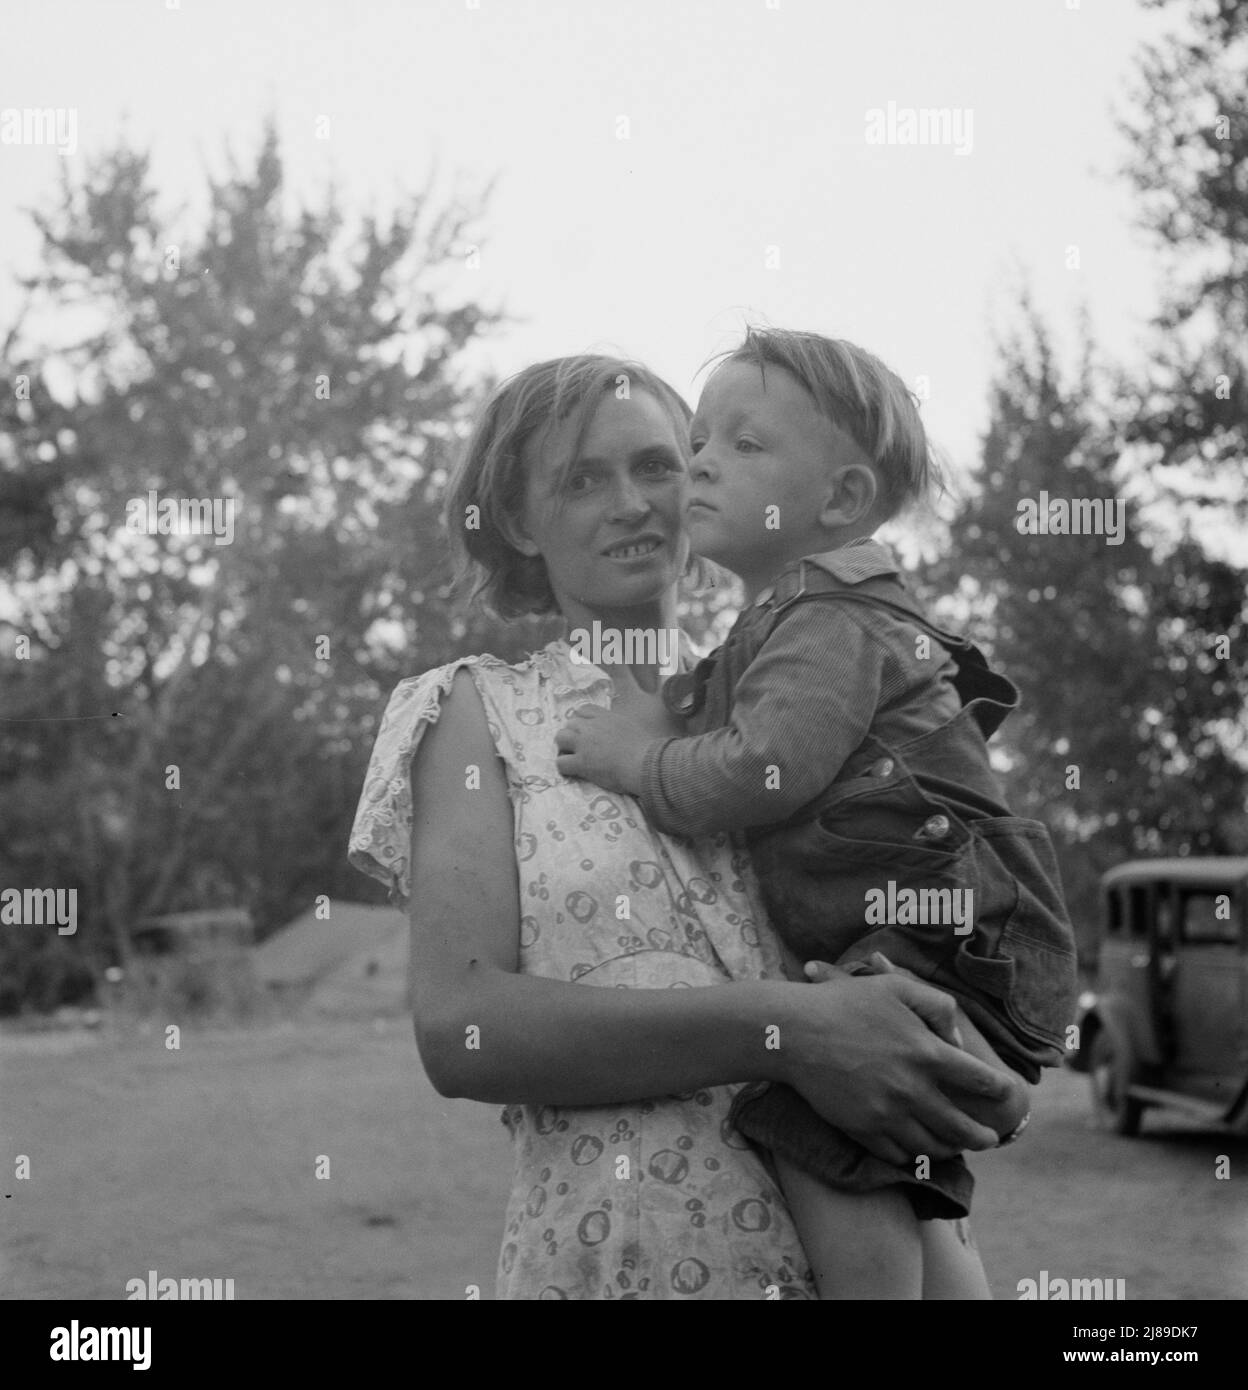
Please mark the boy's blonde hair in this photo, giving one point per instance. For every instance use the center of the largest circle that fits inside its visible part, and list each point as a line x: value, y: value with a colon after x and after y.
x: 490, y: 473
x: 860, y: 395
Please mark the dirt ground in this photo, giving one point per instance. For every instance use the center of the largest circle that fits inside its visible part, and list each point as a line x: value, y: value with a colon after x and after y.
x: 202, y: 1163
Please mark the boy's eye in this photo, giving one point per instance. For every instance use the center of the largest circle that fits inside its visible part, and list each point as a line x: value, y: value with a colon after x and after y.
x: 748, y: 445
x: 696, y: 444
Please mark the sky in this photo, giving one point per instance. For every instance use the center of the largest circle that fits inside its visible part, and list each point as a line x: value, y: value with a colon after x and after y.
x: 666, y: 170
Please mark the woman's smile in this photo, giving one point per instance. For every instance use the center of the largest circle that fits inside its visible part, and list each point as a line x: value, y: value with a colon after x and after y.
x: 642, y: 548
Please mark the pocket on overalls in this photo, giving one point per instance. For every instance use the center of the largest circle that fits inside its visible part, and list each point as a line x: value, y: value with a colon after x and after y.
x: 818, y: 878
x: 1022, y: 950
x: 892, y: 822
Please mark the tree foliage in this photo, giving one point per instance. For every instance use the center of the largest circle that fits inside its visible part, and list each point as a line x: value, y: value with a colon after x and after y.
x: 1188, y: 164
x: 310, y: 375
x: 1133, y: 658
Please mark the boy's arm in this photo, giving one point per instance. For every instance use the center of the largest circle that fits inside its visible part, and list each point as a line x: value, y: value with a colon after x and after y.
x: 803, y: 706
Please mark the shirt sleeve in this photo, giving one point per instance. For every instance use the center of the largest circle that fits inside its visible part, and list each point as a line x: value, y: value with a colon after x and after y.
x: 803, y: 706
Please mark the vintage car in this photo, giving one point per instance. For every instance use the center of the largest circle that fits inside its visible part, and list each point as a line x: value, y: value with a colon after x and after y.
x: 1168, y: 1021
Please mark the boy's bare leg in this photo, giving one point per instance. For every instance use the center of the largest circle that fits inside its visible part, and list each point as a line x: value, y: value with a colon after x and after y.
x: 859, y: 1244
x: 951, y: 1264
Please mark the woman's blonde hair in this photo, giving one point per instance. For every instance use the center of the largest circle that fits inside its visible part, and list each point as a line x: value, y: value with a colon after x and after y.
x: 485, y: 493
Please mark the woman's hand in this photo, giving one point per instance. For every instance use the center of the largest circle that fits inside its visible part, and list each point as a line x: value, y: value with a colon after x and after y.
x: 868, y: 1054
x: 1002, y: 1115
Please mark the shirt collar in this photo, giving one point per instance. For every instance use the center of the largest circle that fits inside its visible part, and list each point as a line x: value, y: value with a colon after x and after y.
x: 861, y: 559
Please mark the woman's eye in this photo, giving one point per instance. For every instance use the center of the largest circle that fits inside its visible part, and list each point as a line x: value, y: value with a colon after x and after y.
x: 579, y: 482
x: 659, y: 466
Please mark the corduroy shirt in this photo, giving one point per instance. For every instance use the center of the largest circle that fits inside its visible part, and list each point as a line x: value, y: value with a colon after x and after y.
x: 774, y: 715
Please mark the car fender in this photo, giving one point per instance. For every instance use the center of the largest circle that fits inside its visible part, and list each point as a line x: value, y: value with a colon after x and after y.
x: 1130, y: 1036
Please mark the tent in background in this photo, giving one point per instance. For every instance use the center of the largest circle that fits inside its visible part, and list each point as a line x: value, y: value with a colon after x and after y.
x: 352, y: 963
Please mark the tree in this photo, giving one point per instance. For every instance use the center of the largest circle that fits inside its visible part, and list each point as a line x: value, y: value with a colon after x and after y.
x: 1130, y: 739
x: 1188, y: 141
x: 1133, y: 658
x: 189, y: 724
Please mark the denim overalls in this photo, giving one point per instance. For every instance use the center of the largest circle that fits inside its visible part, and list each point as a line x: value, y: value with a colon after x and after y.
x: 925, y: 812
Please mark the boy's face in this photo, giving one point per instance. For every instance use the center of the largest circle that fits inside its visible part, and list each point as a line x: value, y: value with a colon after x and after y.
x: 760, y: 444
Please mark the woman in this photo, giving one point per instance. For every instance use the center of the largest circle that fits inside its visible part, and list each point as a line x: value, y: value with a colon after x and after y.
x: 524, y: 887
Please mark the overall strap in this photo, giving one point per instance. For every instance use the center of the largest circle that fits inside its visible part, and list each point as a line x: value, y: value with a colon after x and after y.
x: 975, y: 680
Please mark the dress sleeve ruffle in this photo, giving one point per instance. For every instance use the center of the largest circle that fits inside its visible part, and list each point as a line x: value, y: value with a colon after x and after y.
x: 381, y: 837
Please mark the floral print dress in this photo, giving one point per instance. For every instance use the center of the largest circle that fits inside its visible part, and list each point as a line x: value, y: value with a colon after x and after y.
x: 647, y: 1199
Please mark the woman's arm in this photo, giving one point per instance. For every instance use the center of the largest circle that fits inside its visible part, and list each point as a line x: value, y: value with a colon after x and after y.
x: 858, y: 1050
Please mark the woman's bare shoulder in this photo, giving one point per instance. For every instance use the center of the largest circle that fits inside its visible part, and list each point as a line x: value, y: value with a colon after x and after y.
x: 460, y: 732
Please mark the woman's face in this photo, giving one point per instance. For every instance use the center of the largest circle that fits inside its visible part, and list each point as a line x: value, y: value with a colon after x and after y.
x: 611, y: 528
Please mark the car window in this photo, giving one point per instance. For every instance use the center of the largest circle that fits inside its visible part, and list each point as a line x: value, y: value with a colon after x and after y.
x: 1165, y: 917
x: 1207, y: 920
x: 1137, y: 919
x: 1113, y: 921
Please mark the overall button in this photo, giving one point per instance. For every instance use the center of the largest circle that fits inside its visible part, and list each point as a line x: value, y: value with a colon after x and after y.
x: 884, y: 768
x: 934, y: 828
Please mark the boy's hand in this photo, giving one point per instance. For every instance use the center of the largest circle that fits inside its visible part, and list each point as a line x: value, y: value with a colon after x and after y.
x: 602, y: 747
x: 817, y: 971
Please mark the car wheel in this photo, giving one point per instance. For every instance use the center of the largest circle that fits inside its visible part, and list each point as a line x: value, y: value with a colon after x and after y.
x: 1110, y: 1067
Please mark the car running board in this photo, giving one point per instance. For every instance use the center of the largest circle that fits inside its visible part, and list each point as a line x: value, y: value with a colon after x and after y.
x: 1172, y: 1100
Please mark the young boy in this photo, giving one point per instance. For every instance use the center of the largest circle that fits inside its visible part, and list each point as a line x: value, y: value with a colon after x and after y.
x: 845, y: 736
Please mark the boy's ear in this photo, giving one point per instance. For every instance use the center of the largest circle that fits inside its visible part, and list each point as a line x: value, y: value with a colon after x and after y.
x: 851, y: 498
